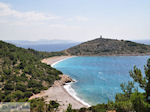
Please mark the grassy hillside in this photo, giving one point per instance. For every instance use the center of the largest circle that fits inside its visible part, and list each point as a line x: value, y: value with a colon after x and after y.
x: 101, y: 46
x: 22, y: 73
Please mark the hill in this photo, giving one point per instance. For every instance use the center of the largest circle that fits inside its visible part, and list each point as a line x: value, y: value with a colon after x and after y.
x: 101, y: 46
x: 22, y: 74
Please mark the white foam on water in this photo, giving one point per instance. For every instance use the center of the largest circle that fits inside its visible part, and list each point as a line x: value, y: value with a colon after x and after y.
x: 72, y: 92
x: 100, y: 73
x: 69, y: 89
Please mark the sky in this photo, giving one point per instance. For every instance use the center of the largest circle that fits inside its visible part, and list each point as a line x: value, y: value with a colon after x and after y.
x: 77, y: 20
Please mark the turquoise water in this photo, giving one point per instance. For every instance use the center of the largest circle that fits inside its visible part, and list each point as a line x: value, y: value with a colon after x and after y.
x: 99, y: 78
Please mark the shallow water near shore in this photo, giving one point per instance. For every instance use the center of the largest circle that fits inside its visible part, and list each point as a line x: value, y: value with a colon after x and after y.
x: 99, y: 78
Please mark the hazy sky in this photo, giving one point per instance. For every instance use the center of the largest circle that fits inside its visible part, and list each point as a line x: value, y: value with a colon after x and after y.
x: 77, y: 20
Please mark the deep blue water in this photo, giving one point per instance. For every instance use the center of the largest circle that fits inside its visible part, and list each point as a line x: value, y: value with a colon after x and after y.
x: 48, y: 47
x: 99, y: 78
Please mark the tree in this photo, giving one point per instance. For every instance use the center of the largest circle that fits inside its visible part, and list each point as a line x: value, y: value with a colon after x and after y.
x: 69, y: 108
x: 143, y: 81
x: 53, y: 105
x: 127, y: 89
x: 137, y: 102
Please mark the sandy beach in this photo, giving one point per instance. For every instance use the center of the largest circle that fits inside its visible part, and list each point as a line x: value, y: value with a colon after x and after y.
x: 53, y: 60
x: 58, y: 92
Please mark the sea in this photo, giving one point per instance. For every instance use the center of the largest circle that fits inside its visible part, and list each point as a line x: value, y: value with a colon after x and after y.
x: 98, y: 78
x: 47, y: 47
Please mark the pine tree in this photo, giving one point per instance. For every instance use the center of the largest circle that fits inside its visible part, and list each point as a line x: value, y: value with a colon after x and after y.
x: 143, y: 81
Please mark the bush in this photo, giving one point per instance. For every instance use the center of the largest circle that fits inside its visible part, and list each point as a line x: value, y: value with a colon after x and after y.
x: 138, y: 102
x: 38, y: 105
x: 20, y: 87
x: 8, y: 86
x: 69, y: 108
x: 99, y: 108
x: 7, y: 71
x: 28, y: 94
x: 18, y: 95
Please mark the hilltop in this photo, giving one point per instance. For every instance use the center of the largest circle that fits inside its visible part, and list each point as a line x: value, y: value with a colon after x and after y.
x: 102, y: 46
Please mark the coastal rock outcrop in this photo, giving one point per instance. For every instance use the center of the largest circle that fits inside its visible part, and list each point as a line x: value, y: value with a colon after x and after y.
x: 64, y: 79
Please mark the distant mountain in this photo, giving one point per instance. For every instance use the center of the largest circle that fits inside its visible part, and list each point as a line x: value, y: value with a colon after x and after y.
x: 42, y: 41
x: 101, y: 46
x: 44, y: 45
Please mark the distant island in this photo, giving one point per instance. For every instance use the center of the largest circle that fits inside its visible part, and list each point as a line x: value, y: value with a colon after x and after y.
x: 44, y: 45
x: 102, y: 46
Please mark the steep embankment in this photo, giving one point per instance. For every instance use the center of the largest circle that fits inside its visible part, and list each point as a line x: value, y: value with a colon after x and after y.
x: 22, y: 74
x: 101, y: 46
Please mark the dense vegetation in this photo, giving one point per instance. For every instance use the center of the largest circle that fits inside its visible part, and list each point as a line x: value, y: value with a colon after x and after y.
x: 130, y: 100
x: 101, y: 46
x: 39, y: 105
x: 22, y: 74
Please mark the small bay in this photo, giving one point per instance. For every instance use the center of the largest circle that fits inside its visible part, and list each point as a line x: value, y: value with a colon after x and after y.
x: 99, y: 77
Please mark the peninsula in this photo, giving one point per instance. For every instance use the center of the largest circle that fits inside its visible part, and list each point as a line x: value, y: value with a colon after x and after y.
x: 106, y: 47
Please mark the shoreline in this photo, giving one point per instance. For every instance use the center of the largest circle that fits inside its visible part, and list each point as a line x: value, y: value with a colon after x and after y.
x: 61, y: 91
x: 53, y: 64
x: 72, y: 92
x: 67, y: 87
x: 54, y: 60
